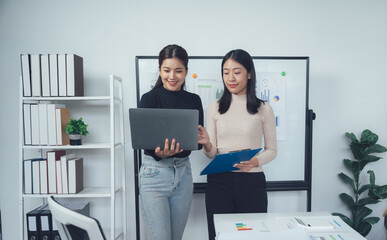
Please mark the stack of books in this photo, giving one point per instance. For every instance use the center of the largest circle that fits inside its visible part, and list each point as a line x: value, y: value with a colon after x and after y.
x: 52, y: 75
x: 58, y: 173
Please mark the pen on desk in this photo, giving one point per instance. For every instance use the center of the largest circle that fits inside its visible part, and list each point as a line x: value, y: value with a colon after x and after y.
x: 337, y: 223
x: 340, y: 237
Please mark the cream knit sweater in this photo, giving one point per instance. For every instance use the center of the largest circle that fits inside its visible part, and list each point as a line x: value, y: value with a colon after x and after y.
x: 237, y: 129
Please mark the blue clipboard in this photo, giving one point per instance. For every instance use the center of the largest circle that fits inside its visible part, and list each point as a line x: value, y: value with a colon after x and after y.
x: 225, y: 162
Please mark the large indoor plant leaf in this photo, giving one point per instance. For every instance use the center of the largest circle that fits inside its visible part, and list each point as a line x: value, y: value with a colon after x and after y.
x: 351, y: 165
x: 347, y: 199
x: 380, y: 191
x: 364, y: 188
x: 376, y: 149
x: 348, y: 180
x: 364, y: 228
x: 361, y: 213
x: 368, y: 137
x: 352, y: 137
x: 372, y: 220
x: 367, y: 200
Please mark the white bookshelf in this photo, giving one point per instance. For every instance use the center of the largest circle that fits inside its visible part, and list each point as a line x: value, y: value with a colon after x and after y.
x: 113, y: 196
x: 106, y: 145
x: 89, y: 98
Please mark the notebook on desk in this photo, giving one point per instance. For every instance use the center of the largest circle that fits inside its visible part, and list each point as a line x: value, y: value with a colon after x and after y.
x: 150, y: 127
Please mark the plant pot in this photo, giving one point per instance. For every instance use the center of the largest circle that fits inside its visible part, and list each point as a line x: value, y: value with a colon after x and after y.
x: 75, y: 139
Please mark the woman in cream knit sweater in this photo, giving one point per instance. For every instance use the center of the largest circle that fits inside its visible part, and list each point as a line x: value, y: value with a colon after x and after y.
x: 238, y: 121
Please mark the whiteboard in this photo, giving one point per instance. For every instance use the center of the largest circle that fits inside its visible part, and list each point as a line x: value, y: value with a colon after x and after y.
x: 282, y: 81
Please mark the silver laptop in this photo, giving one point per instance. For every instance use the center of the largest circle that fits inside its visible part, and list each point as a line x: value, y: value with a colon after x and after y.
x: 150, y: 127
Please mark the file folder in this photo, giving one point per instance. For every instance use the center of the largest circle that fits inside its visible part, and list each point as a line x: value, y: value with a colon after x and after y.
x: 45, y: 223
x: 225, y: 162
x: 53, y: 229
x: 33, y: 223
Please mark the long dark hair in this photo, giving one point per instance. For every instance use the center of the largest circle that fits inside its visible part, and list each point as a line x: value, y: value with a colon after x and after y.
x: 253, y: 103
x: 172, y: 51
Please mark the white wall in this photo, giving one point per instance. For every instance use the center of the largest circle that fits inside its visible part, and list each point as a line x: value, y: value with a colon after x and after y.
x: 346, y: 42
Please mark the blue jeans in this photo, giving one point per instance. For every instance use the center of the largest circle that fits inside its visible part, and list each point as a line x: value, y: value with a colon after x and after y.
x: 166, y: 189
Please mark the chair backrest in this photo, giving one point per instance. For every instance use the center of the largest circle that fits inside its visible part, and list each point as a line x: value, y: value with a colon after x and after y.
x: 67, y: 220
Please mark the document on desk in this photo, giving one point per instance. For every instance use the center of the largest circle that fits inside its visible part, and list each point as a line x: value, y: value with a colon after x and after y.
x: 311, y: 223
x: 298, y: 234
x: 322, y: 227
x: 225, y: 162
x: 335, y: 236
x: 315, y: 223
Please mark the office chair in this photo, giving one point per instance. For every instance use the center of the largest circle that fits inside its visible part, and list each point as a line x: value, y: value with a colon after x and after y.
x: 72, y: 225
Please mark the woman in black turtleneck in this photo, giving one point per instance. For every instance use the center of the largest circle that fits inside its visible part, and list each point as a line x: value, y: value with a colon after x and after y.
x: 165, y: 183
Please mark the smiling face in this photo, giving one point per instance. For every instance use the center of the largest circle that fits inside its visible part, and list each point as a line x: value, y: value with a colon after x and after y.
x: 172, y: 73
x: 235, y: 77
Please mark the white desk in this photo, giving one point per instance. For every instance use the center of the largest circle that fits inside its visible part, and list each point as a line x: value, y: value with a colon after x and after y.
x: 281, y: 226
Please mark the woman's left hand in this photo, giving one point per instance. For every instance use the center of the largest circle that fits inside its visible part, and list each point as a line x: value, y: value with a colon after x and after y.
x: 246, y: 166
x: 168, y: 151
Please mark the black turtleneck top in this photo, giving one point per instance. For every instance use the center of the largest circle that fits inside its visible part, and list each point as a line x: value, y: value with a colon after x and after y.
x: 162, y: 98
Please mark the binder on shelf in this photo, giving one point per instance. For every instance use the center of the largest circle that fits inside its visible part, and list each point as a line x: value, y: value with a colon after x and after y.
x: 36, y: 176
x: 62, y: 78
x: 43, y: 131
x: 27, y: 176
x: 45, y: 74
x: 62, y: 116
x: 43, y: 176
x: 33, y: 223
x: 53, y: 58
x: 26, y: 74
x: 74, y: 64
x: 28, y: 179
x: 58, y: 172
x: 52, y: 157
x: 64, y: 163
x: 54, y: 231
x: 34, y: 124
x: 51, y: 122
x: 35, y: 75
x: 45, y: 231
x: 75, y: 174
x: 27, y: 124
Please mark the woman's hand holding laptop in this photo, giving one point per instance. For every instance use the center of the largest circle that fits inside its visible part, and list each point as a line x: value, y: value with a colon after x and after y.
x: 168, y: 151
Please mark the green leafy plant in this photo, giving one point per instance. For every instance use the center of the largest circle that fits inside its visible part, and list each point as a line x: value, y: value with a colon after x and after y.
x: 76, y: 127
x: 363, y: 194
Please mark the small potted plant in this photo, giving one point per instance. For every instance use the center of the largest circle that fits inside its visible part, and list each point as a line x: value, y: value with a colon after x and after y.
x: 75, y: 129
